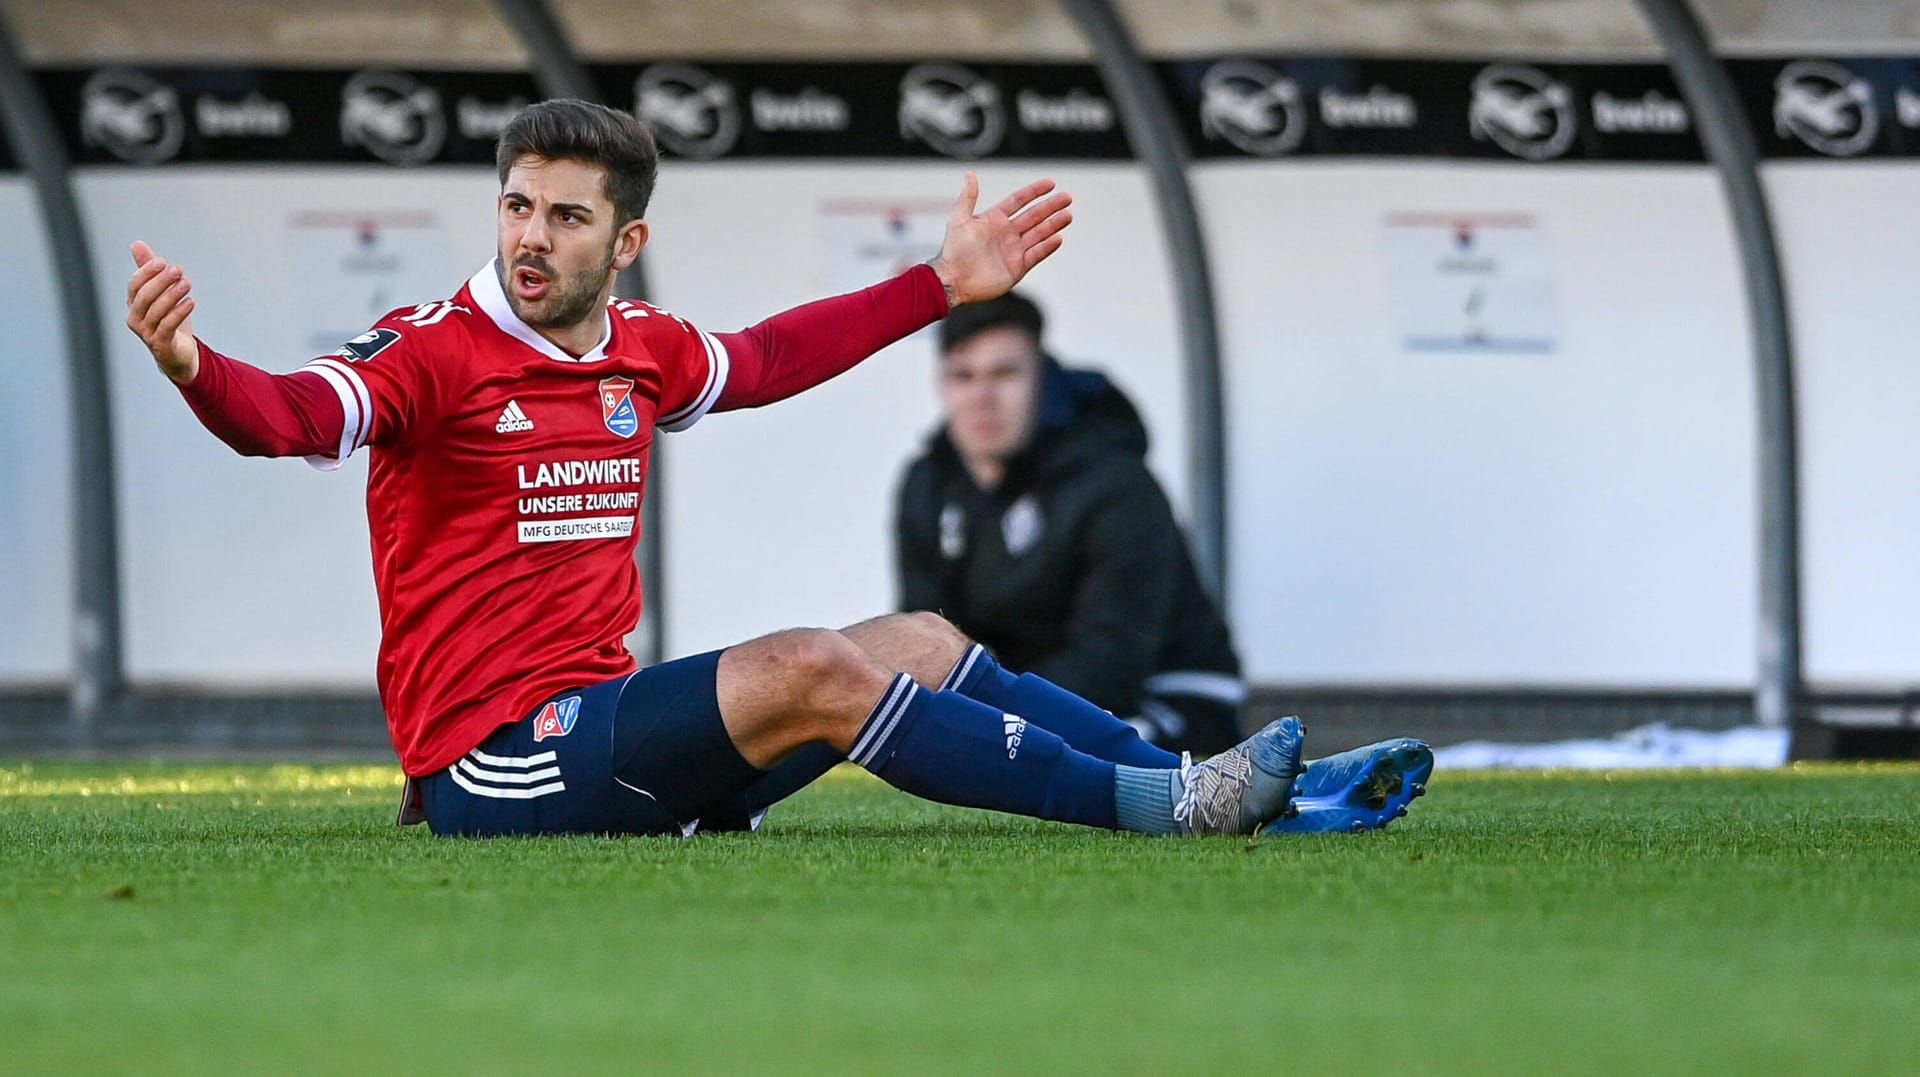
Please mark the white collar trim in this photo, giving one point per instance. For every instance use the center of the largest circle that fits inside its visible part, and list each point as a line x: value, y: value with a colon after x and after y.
x: 485, y: 286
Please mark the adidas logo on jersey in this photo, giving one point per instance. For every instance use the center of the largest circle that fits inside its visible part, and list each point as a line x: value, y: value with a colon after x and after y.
x: 1016, y: 732
x: 513, y: 420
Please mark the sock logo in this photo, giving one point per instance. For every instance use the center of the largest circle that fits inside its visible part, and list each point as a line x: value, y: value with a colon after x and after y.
x: 1016, y: 730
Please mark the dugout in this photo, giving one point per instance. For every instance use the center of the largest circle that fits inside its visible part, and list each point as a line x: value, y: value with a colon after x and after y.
x: 1613, y: 492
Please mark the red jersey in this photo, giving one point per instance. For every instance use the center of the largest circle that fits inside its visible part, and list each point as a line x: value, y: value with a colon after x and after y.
x: 504, y: 494
x: 504, y: 500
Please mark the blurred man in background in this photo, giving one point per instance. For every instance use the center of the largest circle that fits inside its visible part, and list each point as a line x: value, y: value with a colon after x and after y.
x: 1032, y: 522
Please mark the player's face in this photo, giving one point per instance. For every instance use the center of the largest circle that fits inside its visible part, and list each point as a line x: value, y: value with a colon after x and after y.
x: 561, y: 242
x: 990, y: 391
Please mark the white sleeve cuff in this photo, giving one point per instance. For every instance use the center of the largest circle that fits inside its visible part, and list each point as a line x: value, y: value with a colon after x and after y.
x: 717, y: 365
x: 356, y: 409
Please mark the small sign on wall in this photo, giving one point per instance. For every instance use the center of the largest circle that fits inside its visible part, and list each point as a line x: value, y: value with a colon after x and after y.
x: 1470, y: 282
x: 869, y: 241
x: 354, y: 266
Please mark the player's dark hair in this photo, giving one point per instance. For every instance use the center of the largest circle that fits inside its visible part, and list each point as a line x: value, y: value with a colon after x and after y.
x: 1010, y: 311
x: 569, y: 129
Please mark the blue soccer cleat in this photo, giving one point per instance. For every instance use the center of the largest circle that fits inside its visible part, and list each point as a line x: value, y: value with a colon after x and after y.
x: 1364, y: 789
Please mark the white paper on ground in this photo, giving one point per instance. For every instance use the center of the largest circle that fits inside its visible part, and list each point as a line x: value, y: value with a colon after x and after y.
x: 1657, y: 745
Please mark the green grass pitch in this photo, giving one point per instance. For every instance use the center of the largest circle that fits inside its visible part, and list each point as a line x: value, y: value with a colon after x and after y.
x: 161, y: 918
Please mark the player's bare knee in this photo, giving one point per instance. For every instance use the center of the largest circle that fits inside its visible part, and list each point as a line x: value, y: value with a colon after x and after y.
x: 818, y: 655
x: 782, y: 663
x: 796, y: 687
x: 935, y: 626
x: 939, y: 633
x: 827, y: 674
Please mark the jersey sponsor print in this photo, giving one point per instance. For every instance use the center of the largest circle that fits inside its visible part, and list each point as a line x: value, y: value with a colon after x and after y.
x: 567, y: 474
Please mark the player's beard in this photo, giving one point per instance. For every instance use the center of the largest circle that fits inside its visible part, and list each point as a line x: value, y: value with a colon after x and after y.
x: 569, y: 300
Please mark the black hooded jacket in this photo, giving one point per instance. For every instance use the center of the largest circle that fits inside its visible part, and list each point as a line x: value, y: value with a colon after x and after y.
x: 1073, y: 567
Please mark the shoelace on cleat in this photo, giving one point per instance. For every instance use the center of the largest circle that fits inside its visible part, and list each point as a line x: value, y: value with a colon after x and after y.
x: 1213, y: 792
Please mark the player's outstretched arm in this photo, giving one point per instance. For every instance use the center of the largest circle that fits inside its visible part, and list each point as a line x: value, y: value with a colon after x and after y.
x: 160, y: 313
x: 985, y: 254
x: 257, y: 413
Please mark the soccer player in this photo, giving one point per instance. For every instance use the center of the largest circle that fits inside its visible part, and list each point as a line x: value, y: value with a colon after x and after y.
x: 508, y: 427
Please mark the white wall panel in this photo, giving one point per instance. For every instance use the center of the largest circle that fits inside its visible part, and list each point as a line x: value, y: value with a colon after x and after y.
x: 1583, y: 517
x: 36, y: 503
x: 1849, y: 234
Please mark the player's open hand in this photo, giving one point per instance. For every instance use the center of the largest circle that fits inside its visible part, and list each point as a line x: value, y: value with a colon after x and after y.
x: 985, y: 254
x: 160, y: 313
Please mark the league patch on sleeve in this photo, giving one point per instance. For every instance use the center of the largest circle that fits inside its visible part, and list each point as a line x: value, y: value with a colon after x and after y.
x: 367, y: 345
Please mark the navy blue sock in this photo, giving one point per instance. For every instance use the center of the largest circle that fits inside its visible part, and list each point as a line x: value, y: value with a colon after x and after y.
x: 946, y: 747
x: 1084, y: 726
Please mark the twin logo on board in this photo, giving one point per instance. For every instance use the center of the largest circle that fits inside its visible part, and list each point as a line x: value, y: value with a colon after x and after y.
x: 392, y: 116
x: 691, y: 112
x: 1831, y: 109
x: 1523, y: 111
x: 131, y: 115
x: 952, y: 109
x: 948, y: 107
x: 1252, y: 107
x: 699, y: 115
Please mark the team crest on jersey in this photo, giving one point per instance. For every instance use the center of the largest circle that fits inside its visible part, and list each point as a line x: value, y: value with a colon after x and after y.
x: 367, y: 345
x: 616, y: 406
x: 556, y: 719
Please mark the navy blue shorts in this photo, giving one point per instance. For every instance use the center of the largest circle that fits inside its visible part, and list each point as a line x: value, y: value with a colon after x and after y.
x: 641, y: 754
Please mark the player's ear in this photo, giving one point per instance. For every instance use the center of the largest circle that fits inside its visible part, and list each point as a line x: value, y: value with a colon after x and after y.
x: 627, y: 245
